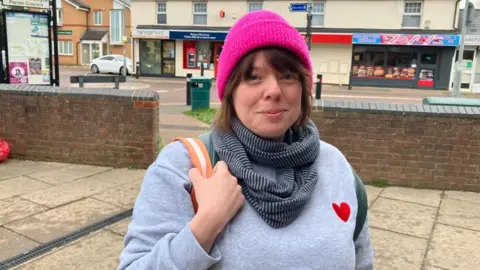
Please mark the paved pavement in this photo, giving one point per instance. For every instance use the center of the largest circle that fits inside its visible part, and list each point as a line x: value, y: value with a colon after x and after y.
x: 411, y: 229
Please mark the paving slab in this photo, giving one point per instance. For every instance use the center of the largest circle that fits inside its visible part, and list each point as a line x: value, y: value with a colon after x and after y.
x: 420, y: 196
x: 68, y: 173
x: 19, y: 186
x: 454, y: 248
x: 120, y: 227
x: 460, y: 213
x: 372, y: 193
x: 403, y: 217
x: 61, y: 194
x: 15, y: 167
x: 12, y: 244
x: 120, y: 176
x: 16, y: 208
x: 99, y: 251
x: 124, y: 196
x: 464, y: 196
x: 395, y: 251
x: 63, y: 220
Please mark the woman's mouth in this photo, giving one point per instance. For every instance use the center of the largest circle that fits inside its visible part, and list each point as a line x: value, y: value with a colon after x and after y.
x: 274, y: 113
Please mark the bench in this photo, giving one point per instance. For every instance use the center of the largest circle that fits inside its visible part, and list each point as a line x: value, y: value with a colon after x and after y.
x: 81, y: 80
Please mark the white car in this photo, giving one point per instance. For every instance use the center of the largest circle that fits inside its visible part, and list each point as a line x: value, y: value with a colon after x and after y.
x: 112, y: 63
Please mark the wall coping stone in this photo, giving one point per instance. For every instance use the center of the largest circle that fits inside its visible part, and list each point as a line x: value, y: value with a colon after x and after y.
x: 109, y: 93
x: 398, y: 109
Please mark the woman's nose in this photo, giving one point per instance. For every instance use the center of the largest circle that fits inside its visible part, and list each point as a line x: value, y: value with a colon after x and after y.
x: 272, y: 88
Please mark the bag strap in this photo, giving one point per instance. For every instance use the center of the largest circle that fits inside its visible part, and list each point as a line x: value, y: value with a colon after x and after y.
x: 362, y: 202
x: 200, y: 158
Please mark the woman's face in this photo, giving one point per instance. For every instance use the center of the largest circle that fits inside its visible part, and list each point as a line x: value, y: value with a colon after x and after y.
x: 268, y: 102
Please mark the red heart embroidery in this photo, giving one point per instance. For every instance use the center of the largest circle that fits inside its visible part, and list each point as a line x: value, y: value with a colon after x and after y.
x: 343, y: 211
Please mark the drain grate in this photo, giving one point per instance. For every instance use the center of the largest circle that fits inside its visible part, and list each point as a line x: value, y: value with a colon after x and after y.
x: 62, y: 241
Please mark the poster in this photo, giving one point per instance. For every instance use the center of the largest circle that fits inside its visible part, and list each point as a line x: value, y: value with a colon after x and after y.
x: 18, y: 72
x: 379, y: 72
x: 426, y: 78
x: 27, y: 36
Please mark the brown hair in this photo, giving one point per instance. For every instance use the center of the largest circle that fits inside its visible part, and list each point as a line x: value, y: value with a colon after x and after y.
x: 281, y: 60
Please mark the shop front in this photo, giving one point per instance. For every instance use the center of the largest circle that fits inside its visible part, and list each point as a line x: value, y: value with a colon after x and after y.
x: 470, y: 66
x: 403, y: 60
x: 198, y: 48
x: 154, y: 52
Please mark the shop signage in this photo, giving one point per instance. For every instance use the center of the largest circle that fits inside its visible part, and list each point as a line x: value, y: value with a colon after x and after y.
x: 295, y: 7
x: 406, y: 39
x: 472, y: 40
x: 198, y: 35
x: 44, y: 4
x: 150, y: 33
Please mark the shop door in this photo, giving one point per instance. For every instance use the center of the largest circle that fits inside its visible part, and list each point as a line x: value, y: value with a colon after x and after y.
x: 217, y: 51
x: 168, y: 58
x: 466, y: 66
x: 3, y: 51
x: 428, y: 68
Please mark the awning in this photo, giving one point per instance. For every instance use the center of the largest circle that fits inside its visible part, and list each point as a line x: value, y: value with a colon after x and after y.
x: 94, y: 35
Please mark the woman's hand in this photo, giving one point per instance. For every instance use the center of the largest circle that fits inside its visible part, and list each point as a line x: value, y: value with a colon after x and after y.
x: 219, y: 199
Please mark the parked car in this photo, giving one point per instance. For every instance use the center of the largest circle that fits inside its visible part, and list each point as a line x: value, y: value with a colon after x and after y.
x: 112, y: 63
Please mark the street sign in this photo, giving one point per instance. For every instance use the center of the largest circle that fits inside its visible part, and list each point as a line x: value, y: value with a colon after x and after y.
x: 298, y: 7
x: 43, y: 4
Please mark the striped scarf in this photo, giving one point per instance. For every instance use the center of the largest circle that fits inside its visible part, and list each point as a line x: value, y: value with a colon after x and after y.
x: 279, y: 202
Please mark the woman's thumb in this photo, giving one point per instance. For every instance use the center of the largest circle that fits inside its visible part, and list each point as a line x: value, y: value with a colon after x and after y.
x: 195, y: 176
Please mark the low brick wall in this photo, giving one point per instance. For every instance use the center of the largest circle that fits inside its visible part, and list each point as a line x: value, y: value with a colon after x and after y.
x: 103, y: 127
x: 407, y: 145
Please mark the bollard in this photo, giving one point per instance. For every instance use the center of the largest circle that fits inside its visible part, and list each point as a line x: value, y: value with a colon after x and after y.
x: 189, y: 88
x: 201, y: 69
x: 80, y: 81
x: 350, y: 81
x: 137, y: 70
x: 318, y: 90
x: 117, y: 82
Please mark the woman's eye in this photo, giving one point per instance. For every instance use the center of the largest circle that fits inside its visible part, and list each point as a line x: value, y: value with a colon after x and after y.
x: 253, y: 77
x: 288, y: 77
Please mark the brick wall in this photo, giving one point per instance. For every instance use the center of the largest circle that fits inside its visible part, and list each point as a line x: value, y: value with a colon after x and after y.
x: 104, y: 127
x: 407, y: 145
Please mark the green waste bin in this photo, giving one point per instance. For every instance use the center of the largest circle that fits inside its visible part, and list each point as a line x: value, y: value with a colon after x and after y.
x: 200, y: 87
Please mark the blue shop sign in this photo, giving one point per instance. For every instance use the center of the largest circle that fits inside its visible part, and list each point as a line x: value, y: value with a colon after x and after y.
x: 198, y: 35
x: 406, y: 39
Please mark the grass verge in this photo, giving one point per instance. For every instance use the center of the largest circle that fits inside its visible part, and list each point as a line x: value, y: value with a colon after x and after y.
x: 380, y: 183
x: 203, y: 115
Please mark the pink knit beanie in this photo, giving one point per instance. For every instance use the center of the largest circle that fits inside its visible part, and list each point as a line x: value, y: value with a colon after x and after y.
x: 257, y: 29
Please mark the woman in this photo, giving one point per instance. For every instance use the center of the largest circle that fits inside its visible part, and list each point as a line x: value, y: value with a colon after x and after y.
x: 280, y: 198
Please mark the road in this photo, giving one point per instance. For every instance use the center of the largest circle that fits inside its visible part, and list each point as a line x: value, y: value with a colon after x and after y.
x: 172, y: 91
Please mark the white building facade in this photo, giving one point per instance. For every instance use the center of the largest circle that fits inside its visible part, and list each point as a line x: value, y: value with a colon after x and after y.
x: 373, y: 43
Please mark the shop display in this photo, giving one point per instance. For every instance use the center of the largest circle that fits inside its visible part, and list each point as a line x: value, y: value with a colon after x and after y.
x: 394, y: 73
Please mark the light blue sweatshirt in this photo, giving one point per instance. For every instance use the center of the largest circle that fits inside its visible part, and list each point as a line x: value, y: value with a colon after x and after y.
x: 159, y: 236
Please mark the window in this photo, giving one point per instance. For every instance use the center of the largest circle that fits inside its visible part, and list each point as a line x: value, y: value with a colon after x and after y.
x: 318, y: 13
x: 162, y: 13
x: 97, y: 18
x: 252, y: 6
x: 117, y: 26
x: 197, y: 53
x: 59, y: 17
x: 412, y: 14
x: 65, y: 48
x: 200, y: 13
x: 393, y: 63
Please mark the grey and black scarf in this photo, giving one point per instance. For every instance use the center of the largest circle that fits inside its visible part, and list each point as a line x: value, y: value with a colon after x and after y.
x: 280, y: 202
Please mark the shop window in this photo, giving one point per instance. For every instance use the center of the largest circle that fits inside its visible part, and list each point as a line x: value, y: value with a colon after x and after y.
x: 318, y: 13
x: 393, y: 64
x: 161, y: 13
x: 200, y: 13
x: 196, y: 53
x: 253, y: 6
x: 412, y: 14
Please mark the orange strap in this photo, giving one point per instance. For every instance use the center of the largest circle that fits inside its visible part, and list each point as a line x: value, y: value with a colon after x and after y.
x: 200, y: 160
